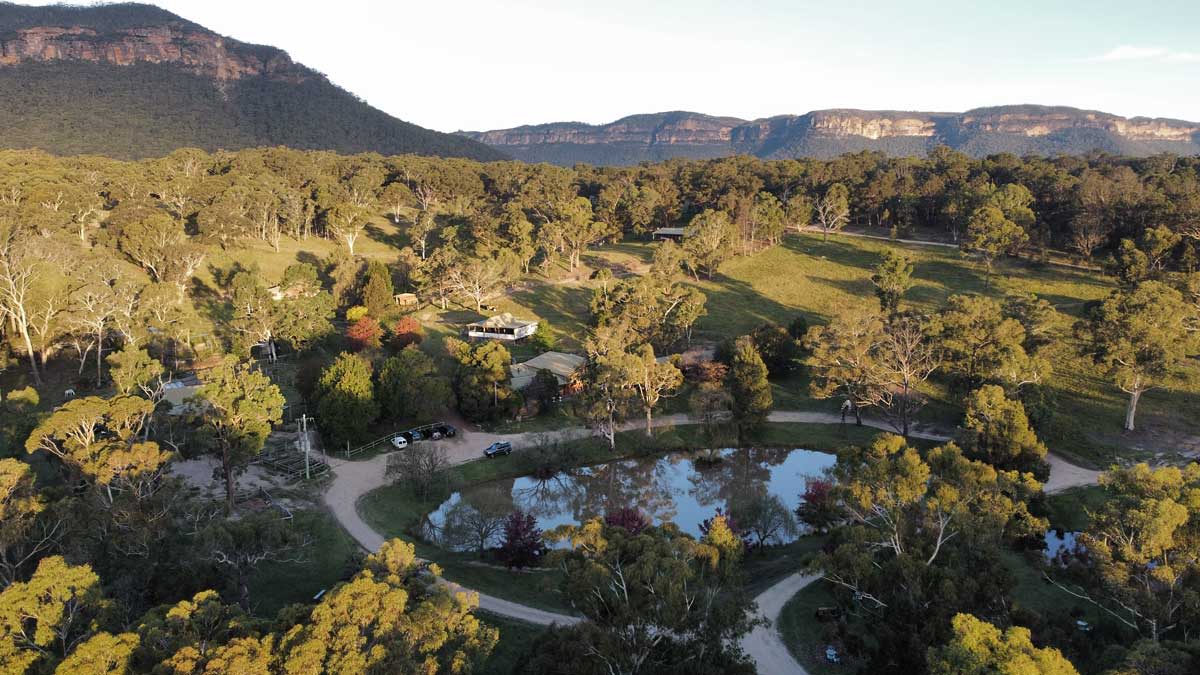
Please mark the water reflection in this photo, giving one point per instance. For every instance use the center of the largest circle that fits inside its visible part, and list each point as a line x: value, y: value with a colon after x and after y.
x: 672, y: 487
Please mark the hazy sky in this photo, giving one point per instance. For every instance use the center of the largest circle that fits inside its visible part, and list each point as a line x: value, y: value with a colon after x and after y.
x: 486, y: 64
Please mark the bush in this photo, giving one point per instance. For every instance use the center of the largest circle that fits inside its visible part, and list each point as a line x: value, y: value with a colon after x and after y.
x: 355, y: 313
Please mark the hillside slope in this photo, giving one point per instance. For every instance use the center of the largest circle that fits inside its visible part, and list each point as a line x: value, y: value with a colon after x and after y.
x: 1021, y: 130
x: 132, y: 81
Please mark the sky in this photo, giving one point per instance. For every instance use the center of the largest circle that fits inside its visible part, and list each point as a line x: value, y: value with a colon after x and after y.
x: 489, y: 64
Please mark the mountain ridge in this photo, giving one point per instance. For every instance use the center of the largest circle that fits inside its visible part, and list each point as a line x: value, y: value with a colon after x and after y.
x: 208, y: 91
x: 1022, y: 129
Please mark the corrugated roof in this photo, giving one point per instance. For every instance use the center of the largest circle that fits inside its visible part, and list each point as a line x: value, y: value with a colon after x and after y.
x: 561, y: 364
x: 505, y: 320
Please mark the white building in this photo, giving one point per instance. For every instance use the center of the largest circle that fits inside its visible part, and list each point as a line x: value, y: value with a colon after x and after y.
x: 502, y: 327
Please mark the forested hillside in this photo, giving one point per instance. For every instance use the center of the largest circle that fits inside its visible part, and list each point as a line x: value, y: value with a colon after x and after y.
x: 133, y: 81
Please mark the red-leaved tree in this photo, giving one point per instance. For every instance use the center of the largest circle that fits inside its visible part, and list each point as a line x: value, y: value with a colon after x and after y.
x: 818, y: 507
x: 365, y: 333
x: 407, y: 331
x: 523, y: 545
x: 628, y: 518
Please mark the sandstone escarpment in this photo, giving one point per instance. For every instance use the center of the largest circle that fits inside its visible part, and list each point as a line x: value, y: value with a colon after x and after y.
x: 198, y: 51
x: 1017, y: 129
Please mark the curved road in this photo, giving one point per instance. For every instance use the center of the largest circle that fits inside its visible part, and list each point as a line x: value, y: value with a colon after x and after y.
x: 354, y: 479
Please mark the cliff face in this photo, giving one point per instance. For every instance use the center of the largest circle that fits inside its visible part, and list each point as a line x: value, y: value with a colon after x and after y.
x: 198, y: 51
x: 821, y: 133
x: 133, y: 80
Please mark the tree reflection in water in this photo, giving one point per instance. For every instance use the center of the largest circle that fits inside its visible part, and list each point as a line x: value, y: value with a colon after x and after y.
x: 670, y: 487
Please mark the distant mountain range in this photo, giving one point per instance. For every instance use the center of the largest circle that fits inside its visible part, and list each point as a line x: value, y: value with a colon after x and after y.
x: 133, y: 80
x: 1022, y: 129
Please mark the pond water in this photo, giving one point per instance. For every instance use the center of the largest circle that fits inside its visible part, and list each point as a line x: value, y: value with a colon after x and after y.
x: 673, y: 487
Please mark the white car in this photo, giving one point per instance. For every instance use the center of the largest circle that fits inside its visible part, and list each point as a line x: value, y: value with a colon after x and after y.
x: 400, y: 442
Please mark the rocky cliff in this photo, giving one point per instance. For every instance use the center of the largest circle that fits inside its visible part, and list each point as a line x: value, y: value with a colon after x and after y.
x: 824, y: 133
x: 134, y: 80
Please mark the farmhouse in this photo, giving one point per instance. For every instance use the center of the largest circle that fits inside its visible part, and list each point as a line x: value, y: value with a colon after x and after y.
x: 502, y: 327
x: 564, y: 367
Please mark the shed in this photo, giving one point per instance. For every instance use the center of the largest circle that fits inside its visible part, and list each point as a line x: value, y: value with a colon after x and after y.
x: 502, y: 327
x: 672, y: 233
x: 406, y: 299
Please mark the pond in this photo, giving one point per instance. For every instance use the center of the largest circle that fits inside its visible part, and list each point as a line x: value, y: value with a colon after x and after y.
x: 668, y: 488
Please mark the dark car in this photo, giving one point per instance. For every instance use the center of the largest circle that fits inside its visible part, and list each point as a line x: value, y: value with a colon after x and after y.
x: 501, y: 448
x: 447, y: 431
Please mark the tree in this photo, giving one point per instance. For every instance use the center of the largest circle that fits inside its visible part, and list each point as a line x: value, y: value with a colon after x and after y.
x: 818, y: 507
x: 392, y: 617
x: 1141, y: 337
x: 650, y: 380
x: 656, y: 601
x: 42, y: 620
x: 19, y: 274
x: 347, y: 221
x: 474, y: 521
x: 20, y: 510
x: 712, y: 406
x: 377, y: 292
x: 135, y: 372
x: 920, y: 542
x: 255, y: 314
x: 991, y: 234
x: 708, y: 241
x: 892, y: 278
x: 980, y: 342
x: 979, y: 648
x: 365, y: 333
x: 237, y: 548
x: 479, y: 278
x: 833, y: 210
x: 764, y: 518
x: 1142, y: 551
x: 998, y: 432
x: 748, y: 385
x: 873, y: 363
x: 482, y: 380
x: 408, y: 331
x: 346, y: 405
x: 418, y: 468
x: 235, y: 407
x: 411, y: 388
x: 522, y: 546
x: 778, y: 349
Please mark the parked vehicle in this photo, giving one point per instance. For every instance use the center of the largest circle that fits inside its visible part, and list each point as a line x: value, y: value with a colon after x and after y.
x: 399, y: 441
x: 416, y: 435
x: 435, y: 435
x: 499, y: 448
x: 448, y: 431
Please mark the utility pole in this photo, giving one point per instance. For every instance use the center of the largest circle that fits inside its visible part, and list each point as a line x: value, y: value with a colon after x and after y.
x: 304, y: 442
